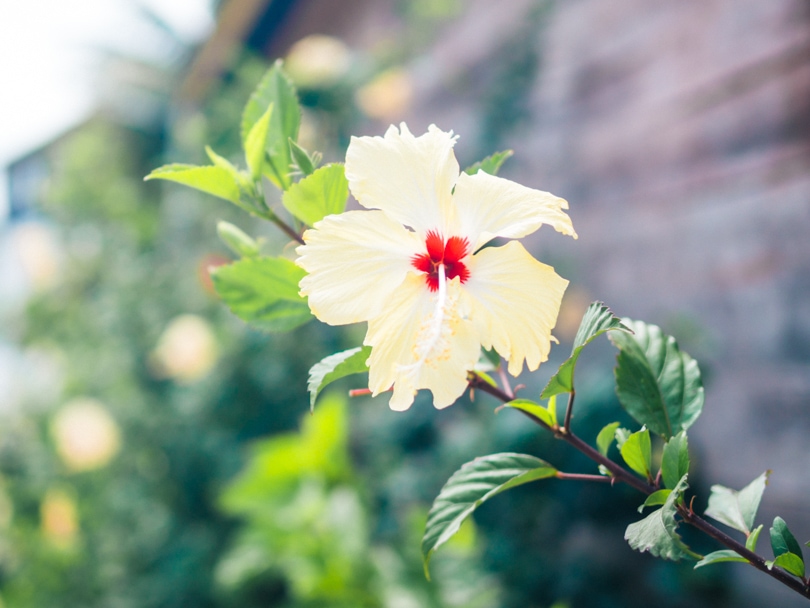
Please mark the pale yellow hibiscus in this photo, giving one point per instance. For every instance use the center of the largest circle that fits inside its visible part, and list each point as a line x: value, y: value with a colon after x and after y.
x: 413, y: 266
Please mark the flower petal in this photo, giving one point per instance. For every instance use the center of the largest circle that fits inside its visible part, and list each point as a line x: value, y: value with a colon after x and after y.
x: 354, y: 260
x: 514, y: 303
x: 490, y: 206
x: 417, y: 344
x: 409, y: 178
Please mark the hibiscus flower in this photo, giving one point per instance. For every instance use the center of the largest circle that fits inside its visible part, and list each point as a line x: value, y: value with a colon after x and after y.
x: 416, y: 267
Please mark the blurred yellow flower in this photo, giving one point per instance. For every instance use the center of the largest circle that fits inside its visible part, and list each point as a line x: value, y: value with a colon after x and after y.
x: 186, y: 351
x: 59, y: 518
x: 85, y: 434
x: 415, y: 267
x: 318, y: 60
x: 388, y: 96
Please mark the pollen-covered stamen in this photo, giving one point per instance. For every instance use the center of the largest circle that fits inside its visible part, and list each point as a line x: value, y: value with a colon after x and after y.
x: 442, y: 253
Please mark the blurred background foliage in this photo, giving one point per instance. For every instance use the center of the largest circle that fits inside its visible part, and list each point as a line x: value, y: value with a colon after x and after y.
x: 173, y: 462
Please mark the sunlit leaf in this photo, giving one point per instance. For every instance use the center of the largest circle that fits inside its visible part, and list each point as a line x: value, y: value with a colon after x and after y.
x: 716, y: 557
x: 214, y: 180
x: 636, y: 452
x: 751, y: 541
x: 238, y: 242
x: 659, y: 497
x: 790, y: 562
x: 491, y: 164
x: 605, y: 437
x: 263, y: 292
x: 323, y: 193
x: 470, y: 486
x: 658, y: 384
x: 597, y: 320
x: 737, y: 509
x: 535, y: 409
x: 658, y: 532
x: 276, y: 89
x: 256, y: 142
x: 334, y: 367
x: 675, y: 459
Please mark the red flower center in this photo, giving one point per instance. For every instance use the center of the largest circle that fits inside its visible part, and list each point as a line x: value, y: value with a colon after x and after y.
x: 439, y: 252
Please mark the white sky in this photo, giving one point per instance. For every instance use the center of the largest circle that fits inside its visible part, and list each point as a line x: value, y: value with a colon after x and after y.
x: 48, y: 49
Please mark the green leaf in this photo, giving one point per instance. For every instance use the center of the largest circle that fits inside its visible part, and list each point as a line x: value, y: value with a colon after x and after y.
x: 790, y: 562
x: 264, y: 292
x: 636, y: 452
x: 238, y: 242
x: 605, y: 437
x: 675, y: 459
x: 782, y: 539
x: 597, y: 320
x: 659, y: 497
x: 535, y: 409
x: 491, y: 164
x: 724, y: 555
x: 318, y: 195
x: 276, y: 89
x: 301, y: 159
x: 334, y: 367
x: 737, y: 509
x: 658, y: 532
x: 255, y: 144
x: 656, y: 383
x: 751, y: 541
x: 214, y: 180
x: 470, y: 486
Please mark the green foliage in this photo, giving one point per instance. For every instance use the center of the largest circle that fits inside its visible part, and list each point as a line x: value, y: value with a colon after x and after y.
x: 658, y: 384
x: 716, y: 557
x: 306, y: 164
x: 597, y: 320
x: 637, y: 453
x: 491, y: 164
x: 322, y: 193
x: 658, y: 532
x: 659, y: 497
x: 786, y: 549
x: 472, y: 485
x: 238, y: 242
x: 264, y: 292
x: 275, y: 90
x: 790, y: 562
x: 751, y: 541
x: 255, y: 144
x: 737, y: 509
x: 547, y: 414
x: 605, y: 437
x: 334, y: 367
x: 213, y: 179
x: 675, y: 460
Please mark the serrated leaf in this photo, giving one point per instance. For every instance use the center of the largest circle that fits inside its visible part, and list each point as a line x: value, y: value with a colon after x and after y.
x: 782, y: 539
x: 209, y: 179
x: 737, y: 509
x: 236, y: 240
x: 658, y: 532
x: 751, y: 541
x: 491, y: 164
x: 323, y: 193
x: 605, y: 437
x: 675, y: 459
x: 658, y: 497
x: 301, y: 159
x: 658, y: 384
x: 535, y: 409
x: 637, y: 453
x: 790, y: 562
x: 724, y: 555
x: 334, y: 367
x: 472, y: 485
x: 597, y: 320
x: 256, y: 142
x: 264, y: 292
x: 276, y: 89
